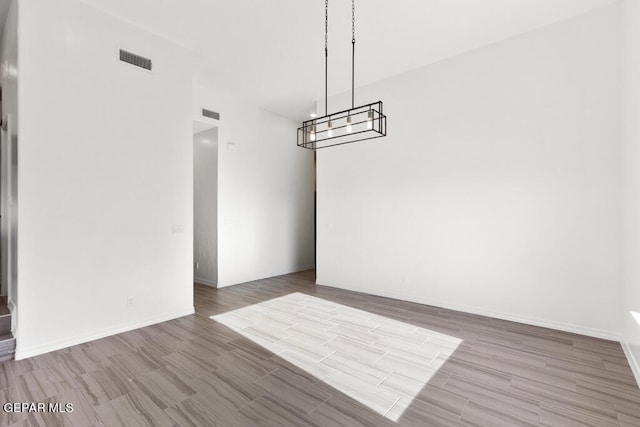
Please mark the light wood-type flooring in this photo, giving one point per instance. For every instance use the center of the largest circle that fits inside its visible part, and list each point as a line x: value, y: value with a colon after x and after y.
x: 283, y: 352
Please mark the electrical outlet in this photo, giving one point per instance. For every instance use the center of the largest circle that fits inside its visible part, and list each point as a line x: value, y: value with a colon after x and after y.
x: 197, y: 266
x: 130, y: 302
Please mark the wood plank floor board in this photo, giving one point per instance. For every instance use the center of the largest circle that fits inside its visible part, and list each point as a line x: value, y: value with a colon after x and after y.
x: 197, y: 371
x: 103, y: 385
x: 303, y: 394
x: 161, y: 345
x: 581, y: 370
x: 83, y: 413
x: 443, y: 399
x: 629, y: 409
x: 10, y: 394
x: 245, y: 366
x: 555, y: 377
x: 341, y: 413
x: 550, y: 394
x: 628, y: 421
x: 607, y: 389
x: 174, y: 329
x: 477, y: 373
x: 56, y: 374
x: 133, y: 409
x: 108, y: 346
x: 225, y: 389
x: 467, y: 353
x: 431, y: 412
x: 187, y: 365
x: 476, y: 414
x: 301, y: 366
x: 570, y: 415
x: 35, y: 387
x: 79, y: 362
x: 163, y: 387
x: 197, y: 411
x: 271, y: 410
x: 526, y: 408
x: 132, y: 364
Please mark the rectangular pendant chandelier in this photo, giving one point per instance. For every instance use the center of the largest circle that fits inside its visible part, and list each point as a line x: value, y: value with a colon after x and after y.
x: 356, y: 124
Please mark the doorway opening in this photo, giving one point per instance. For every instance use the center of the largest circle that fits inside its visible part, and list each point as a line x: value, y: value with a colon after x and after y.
x: 205, y: 206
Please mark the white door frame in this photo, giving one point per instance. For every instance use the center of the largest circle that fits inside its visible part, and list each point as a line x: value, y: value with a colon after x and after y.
x: 7, y: 202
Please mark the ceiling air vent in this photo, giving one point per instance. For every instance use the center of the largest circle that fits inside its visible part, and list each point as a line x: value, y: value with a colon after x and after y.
x: 133, y: 59
x: 211, y: 114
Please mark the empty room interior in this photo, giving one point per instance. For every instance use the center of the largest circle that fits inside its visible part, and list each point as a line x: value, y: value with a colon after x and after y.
x: 320, y: 213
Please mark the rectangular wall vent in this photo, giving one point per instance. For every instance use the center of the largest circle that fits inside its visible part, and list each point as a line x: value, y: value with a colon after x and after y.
x: 133, y: 59
x: 211, y: 114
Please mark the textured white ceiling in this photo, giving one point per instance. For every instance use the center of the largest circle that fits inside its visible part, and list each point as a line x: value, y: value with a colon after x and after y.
x: 273, y: 51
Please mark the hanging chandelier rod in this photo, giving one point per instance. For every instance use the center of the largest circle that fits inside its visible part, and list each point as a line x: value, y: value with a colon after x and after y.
x: 326, y: 57
x: 353, y: 53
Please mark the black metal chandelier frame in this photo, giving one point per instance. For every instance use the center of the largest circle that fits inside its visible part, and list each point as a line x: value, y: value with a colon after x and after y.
x: 355, y: 124
x: 344, y: 127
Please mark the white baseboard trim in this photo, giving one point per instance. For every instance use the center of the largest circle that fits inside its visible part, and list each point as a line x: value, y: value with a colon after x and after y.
x: 633, y: 362
x: 23, y: 353
x: 251, y: 279
x: 205, y: 282
x: 566, y: 327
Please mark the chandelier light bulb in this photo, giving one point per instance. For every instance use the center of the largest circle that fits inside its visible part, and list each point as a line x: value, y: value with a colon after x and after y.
x: 370, y: 119
x: 329, y: 129
x: 349, y: 127
x: 312, y: 134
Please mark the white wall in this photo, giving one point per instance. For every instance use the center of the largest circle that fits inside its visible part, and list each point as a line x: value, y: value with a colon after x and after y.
x: 9, y: 211
x: 265, y: 191
x: 496, y: 190
x: 106, y: 171
x: 205, y: 207
x: 630, y: 66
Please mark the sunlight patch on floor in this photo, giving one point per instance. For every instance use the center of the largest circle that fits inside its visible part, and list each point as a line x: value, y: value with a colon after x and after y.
x: 380, y: 362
